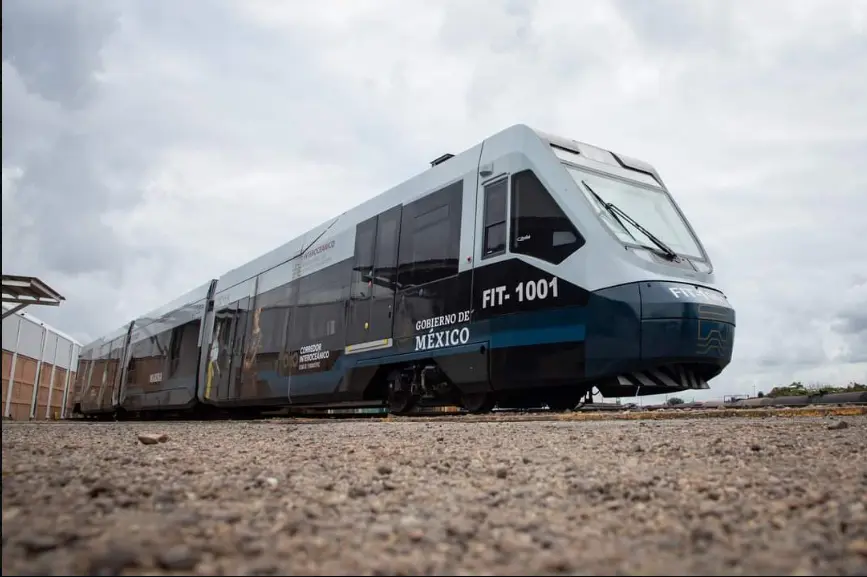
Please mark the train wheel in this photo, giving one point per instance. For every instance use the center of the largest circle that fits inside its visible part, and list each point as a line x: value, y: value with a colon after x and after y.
x: 478, y: 402
x: 401, y: 402
x: 564, y: 398
x: 562, y: 404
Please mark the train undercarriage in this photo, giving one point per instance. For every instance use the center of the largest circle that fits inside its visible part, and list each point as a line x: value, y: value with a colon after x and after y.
x: 423, y: 386
x: 409, y: 385
x: 409, y: 389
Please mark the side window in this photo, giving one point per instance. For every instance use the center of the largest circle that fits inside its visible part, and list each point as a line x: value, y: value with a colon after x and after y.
x: 175, y: 349
x: 272, y: 318
x: 363, y: 269
x: 385, y: 275
x: 320, y: 313
x: 495, y: 218
x: 430, y: 235
x: 161, y: 342
x: 142, y: 352
x: 539, y: 227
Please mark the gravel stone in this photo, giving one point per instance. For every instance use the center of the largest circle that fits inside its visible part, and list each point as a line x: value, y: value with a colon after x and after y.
x: 111, y: 560
x: 458, y: 496
x: 152, y: 439
x: 178, y: 558
x: 39, y: 543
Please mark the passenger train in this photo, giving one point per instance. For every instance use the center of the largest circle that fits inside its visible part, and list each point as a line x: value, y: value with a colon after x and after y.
x: 522, y: 272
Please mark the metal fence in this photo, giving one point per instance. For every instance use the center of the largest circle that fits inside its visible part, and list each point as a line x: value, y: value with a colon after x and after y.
x: 39, y: 364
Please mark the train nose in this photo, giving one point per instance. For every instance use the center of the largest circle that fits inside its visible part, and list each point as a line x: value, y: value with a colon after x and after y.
x: 687, y: 325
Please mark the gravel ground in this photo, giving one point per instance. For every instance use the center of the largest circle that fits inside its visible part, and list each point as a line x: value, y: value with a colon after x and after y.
x: 733, y: 496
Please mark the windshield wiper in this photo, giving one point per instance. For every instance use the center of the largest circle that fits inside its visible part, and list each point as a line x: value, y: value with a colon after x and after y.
x: 615, y: 211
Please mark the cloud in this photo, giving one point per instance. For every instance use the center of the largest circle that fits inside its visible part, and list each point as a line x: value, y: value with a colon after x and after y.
x: 151, y: 146
x: 55, y: 47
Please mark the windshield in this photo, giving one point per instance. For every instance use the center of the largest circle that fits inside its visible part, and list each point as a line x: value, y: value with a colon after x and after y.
x: 650, y: 208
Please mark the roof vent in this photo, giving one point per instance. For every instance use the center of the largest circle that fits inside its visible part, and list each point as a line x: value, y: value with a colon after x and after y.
x: 442, y: 159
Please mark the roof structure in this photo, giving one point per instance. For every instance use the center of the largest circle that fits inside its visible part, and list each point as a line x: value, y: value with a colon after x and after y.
x: 22, y: 291
x: 41, y: 323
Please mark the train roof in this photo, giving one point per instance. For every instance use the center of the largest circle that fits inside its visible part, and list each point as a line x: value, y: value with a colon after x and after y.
x: 442, y: 171
x: 192, y: 296
x: 432, y: 178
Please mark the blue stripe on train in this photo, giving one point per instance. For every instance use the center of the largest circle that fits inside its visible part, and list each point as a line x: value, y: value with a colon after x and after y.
x: 543, y: 336
x: 543, y: 327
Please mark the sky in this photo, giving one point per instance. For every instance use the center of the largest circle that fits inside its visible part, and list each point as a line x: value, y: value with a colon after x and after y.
x: 151, y: 145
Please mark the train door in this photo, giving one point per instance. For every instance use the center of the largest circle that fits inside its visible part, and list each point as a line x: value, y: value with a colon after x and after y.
x: 125, y: 356
x: 207, y: 347
x: 226, y: 321
x: 370, y: 318
x: 102, y: 375
x: 242, y: 314
x: 492, y: 213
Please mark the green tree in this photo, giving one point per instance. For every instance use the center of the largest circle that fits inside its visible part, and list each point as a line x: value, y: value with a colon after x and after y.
x: 793, y: 390
x: 798, y: 389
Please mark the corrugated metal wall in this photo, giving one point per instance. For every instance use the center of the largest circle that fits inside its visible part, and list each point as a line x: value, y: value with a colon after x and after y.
x: 39, y: 366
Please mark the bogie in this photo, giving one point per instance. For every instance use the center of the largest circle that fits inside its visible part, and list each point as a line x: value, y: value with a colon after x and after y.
x: 479, y: 402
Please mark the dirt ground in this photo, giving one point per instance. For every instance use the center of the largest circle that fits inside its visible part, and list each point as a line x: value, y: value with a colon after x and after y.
x: 730, y: 496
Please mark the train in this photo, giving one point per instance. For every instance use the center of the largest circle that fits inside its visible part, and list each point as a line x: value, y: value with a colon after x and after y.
x: 525, y: 271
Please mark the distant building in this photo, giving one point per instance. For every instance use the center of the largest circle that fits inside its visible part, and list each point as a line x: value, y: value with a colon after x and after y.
x: 34, y: 352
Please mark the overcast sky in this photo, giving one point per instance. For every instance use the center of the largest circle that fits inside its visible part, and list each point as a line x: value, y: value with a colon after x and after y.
x: 151, y: 145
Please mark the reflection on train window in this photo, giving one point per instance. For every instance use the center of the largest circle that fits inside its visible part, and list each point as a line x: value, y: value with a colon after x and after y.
x: 320, y: 311
x: 175, y: 349
x: 364, y: 246
x: 388, y: 226
x: 276, y: 305
x: 429, y: 230
x: 430, y: 237
x: 539, y: 226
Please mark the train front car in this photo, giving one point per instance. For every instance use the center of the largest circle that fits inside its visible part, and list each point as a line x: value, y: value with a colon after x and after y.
x: 637, y: 309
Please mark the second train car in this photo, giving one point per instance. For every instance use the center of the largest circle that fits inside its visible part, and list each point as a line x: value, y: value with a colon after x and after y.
x: 523, y: 271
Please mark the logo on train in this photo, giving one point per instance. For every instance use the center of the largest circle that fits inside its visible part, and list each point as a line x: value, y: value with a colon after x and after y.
x: 312, y: 357
x: 319, y: 249
x: 449, y: 337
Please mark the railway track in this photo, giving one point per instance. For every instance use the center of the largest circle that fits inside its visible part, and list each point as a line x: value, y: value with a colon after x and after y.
x: 848, y: 403
x: 531, y: 415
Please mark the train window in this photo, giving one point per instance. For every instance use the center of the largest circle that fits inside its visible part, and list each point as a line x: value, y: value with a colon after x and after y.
x: 322, y: 321
x: 429, y: 239
x: 364, y: 246
x: 430, y: 235
x: 386, y: 253
x: 495, y: 218
x: 175, y: 349
x: 144, y: 360
x: 161, y: 343
x: 319, y: 315
x: 539, y: 226
x: 276, y: 305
